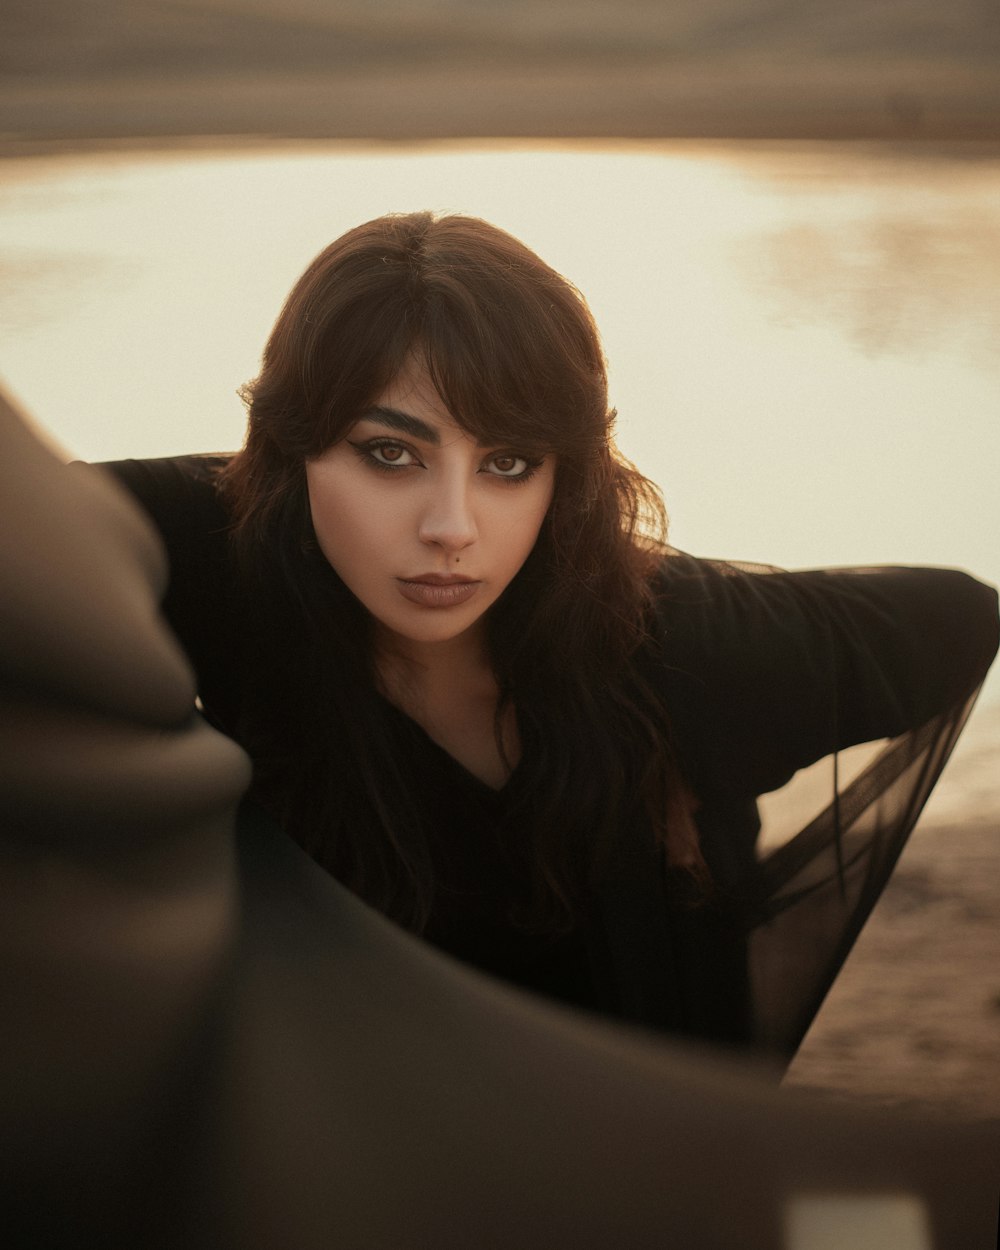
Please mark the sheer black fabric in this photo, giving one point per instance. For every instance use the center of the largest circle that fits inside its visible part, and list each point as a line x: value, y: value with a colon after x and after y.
x: 816, y: 890
x: 828, y: 843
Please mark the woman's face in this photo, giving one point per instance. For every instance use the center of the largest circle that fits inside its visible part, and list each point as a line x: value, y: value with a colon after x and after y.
x: 423, y: 524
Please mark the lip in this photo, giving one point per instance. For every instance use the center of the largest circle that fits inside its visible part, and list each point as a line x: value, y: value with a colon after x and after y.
x: 439, y: 579
x: 435, y: 590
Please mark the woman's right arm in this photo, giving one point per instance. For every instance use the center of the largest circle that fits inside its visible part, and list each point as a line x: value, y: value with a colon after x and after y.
x: 178, y: 495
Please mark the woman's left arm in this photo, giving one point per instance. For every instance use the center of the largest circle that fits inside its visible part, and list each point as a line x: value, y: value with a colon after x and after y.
x: 770, y: 671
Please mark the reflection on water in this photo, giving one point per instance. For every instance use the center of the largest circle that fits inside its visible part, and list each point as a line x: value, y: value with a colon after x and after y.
x: 901, y: 254
x: 802, y: 337
x: 895, y: 285
x: 40, y: 286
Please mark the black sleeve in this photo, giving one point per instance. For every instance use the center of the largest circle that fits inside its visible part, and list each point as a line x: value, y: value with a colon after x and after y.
x: 767, y: 672
x: 179, y: 495
x: 177, y: 492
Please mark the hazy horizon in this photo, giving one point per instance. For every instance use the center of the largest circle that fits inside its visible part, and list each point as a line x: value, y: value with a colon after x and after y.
x: 410, y: 68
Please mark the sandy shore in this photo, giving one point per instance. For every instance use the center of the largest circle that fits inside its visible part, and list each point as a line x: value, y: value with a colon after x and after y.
x: 914, y: 1018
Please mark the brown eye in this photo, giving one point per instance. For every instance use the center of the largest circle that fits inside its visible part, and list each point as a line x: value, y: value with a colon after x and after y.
x: 507, y: 465
x: 387, y: 454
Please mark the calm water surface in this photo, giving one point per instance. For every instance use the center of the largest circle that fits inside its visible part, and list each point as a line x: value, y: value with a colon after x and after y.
x: 804, y: 340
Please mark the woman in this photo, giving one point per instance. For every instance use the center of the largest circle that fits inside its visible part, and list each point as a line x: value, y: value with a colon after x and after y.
x: 438, y: 609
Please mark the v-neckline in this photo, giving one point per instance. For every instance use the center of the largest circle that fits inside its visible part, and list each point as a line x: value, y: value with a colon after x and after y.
x: 456, y: 765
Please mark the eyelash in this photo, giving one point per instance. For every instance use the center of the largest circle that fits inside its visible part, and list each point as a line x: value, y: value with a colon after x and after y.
x: 365, y: 451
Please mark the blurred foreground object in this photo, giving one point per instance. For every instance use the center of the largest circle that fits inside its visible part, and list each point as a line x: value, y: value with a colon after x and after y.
x: 206, y: 1041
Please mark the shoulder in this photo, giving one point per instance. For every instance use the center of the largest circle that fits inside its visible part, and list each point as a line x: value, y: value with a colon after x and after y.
x: 180, y: 495
x: 178, y: 492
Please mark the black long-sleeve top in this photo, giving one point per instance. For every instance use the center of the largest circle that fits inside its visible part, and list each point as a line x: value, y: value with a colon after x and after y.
x: 207, y: 1042
x: 762, y: 672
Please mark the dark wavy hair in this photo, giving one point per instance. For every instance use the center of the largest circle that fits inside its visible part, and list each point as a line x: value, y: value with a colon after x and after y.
x: 514, y: 353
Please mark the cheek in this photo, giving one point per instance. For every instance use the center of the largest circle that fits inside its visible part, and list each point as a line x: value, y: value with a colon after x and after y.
x: 346, y: 522
x: 541, y: 509
x: 520, y: 534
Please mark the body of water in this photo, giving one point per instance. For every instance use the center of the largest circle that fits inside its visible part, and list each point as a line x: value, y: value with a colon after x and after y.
x: 804, y: 340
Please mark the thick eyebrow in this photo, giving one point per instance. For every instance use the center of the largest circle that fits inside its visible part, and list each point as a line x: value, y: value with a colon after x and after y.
x: 405, y: 422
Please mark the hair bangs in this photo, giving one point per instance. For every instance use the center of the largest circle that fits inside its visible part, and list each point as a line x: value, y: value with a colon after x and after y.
x: 510, y: 379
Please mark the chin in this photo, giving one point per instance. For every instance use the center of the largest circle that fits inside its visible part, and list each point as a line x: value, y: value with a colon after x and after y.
x: 430, y: 632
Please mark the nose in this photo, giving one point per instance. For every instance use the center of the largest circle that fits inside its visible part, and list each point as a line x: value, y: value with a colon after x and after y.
x: 447, y: 520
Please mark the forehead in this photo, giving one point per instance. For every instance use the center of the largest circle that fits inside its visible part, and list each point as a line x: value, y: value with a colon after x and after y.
x: 412, y: 390
x: 483, y: 416
x: 412, y: 405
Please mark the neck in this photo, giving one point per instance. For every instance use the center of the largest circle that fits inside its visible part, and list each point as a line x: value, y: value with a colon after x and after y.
x: 425, y: 673
x: 451, y: 691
